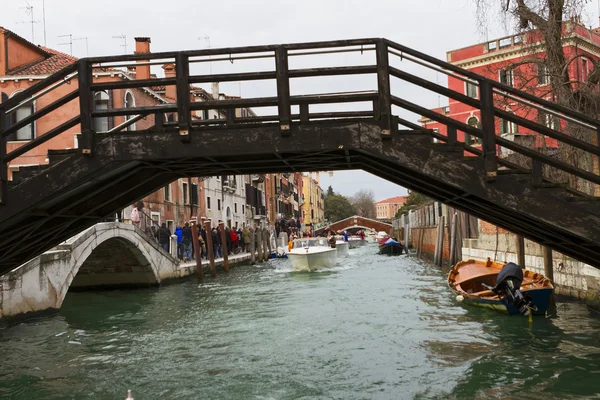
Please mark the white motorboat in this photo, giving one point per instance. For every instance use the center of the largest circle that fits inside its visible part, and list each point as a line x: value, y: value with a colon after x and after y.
x: 354, y: 241
x: 342, y: 246
x: 309, y: 254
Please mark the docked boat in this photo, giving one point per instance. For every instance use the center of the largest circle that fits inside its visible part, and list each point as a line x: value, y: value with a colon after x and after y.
x: 342, y: 246
x: 310, y: 254
x: 505, y: 288
x: 391, y: 247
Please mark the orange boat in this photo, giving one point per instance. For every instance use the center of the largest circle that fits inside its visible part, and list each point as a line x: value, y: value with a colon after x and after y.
x: 506, y: 288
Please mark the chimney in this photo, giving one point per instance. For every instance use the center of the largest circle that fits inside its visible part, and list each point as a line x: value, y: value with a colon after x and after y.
x: 170, y: 90
x: 142, y: 46
x: 215, y: 90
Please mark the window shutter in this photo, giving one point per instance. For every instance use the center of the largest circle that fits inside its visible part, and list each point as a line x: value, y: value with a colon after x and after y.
x: 194, y: 194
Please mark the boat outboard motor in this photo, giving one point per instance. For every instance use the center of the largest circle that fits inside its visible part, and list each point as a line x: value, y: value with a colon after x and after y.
x: 508, y: 284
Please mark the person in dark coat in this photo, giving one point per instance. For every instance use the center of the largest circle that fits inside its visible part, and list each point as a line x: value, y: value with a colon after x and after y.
x: 227, y: 240
x: 186, y: 242
x: 204, y: 249
x: 164, y: 236
x: 216, y: 239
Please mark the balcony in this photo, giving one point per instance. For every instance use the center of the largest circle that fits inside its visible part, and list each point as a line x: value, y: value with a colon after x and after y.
x: 257, y: 179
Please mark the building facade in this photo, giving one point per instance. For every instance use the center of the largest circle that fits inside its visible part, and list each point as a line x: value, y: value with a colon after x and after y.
x: 518, y: 61
x: 386, y: 209
x: 313, y: 208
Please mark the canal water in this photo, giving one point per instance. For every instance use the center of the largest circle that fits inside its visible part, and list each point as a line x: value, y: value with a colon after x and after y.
x: 375, y: 327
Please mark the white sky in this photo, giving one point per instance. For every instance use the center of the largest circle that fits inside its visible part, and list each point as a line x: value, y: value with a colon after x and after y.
x: 430, y: 26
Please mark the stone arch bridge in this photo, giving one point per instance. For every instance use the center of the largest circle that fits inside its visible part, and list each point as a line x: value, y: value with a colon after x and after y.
x: 356, y: 223
x: 106, y: 255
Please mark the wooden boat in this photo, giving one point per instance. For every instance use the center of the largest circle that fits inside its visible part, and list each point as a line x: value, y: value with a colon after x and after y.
x: 390, y: 246
x: 482, y: 284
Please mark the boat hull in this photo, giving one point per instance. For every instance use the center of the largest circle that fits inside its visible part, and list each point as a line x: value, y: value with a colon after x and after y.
x: 342, y: 248
x: 540, y: 297
x: 390, y: 250
x: 314, y: 260
x: 354, y: 243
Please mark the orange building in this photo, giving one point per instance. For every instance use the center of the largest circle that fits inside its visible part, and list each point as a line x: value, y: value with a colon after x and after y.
x: 386, y: 209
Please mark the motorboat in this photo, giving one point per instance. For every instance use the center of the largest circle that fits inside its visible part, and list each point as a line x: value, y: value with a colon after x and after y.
x: 354, y: 241
x: 310, y: 254
x: 342, y: 246
x: 505, y: 288
x: 390, y: 246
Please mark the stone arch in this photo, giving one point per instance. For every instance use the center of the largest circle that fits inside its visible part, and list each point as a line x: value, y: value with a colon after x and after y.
x: 100, y: 238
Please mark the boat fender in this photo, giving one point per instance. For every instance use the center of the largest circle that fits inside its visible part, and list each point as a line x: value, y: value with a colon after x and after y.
x: 459, y: 298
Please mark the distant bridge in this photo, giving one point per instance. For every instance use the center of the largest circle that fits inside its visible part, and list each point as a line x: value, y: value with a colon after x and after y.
x: 356, y: 223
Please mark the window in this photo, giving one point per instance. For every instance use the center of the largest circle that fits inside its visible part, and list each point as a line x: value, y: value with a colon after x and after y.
x: 185, y: 193
x: 549, y: 120
x: 101, y: 100
x: 194, y: 194
x: 27, y: 132
x: 585, y: 69
x: 508, y: 127
x: 235, y: 208
x: 507, y: 77
x: 243, y: 210
x: 208, y: 203
x: 543, y: 77
x: 219, y: 204
x: 471, y: 90
x: 470, y: 139
x: 129, y: 103
x: 168, y: 192
x: 506, y: 42
x: 436, y: 140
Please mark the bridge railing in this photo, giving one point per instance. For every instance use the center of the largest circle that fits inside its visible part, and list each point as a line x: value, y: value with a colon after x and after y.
x: 289, y: 96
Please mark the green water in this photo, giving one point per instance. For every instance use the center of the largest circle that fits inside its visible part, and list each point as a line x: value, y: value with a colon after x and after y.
x: 376, y: 327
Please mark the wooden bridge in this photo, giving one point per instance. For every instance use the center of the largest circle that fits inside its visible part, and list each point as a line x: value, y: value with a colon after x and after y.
x: 363, y: 125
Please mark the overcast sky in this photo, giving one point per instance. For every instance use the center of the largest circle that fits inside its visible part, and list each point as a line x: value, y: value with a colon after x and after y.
x: 431, y: 26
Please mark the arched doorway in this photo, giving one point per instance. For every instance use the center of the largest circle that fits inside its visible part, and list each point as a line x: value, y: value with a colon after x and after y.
x: 228, y: 217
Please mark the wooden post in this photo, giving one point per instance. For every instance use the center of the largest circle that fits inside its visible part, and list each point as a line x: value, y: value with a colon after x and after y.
x: 211, y: 251
x: 259, y: 244
x: 520, y: 243
x: 284, y: 107
x: 383, y: 88
x: 439, y: 245
x: 224, y: 248
x: 548, y: 267
x: 86, y: 105
x: 252, y: 246
x: 197, y: 252
x: 442, y: 229
x: 453, y: 243
x: 267, y: 239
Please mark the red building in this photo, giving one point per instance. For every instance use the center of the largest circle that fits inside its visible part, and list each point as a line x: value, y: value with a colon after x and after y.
x: 512, y: 60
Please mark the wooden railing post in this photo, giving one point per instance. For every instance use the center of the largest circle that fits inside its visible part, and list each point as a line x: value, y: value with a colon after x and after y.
x: 86, y: 106
x: 3, y: 164
x: 383, y: 111
x: 283, y: 90
x: 182, y: 76
x: 488, y: 127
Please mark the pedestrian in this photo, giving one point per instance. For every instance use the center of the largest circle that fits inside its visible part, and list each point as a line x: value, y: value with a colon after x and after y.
x: 234, y: 241
x: 216, y: 241
x: 186, y: 241
x: 345, y: 236
x: 202, y: 245
x: 179, y: 234
x: 164, y: 236
x: 135, y: 216
x: 228, y: 243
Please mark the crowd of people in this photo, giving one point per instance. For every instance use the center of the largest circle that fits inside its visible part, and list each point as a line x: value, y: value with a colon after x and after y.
x: 236, y: 241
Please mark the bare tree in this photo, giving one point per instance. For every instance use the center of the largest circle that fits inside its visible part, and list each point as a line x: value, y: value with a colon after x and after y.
x: 546, y: 24
x: 364, y: 203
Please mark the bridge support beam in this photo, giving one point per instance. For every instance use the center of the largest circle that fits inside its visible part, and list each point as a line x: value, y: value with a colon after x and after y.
x: 283, y: 90
x: 489, y: 129
x: 3, y: 165
x: 384, y: 102
x: 86, y: 106
x: 184, y: 117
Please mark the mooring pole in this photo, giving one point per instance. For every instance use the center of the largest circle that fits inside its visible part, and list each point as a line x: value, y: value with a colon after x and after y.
x: 453, y: 243
x: 259, y: 244
x: 520, y: 243
x: 548, y: 267
x: 224, y: 248
x: 197, y: 252
x: 209, y: 245
x: 252, y: 245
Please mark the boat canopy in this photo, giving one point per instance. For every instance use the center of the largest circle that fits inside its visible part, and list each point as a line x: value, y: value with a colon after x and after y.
x: 310, y: 242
